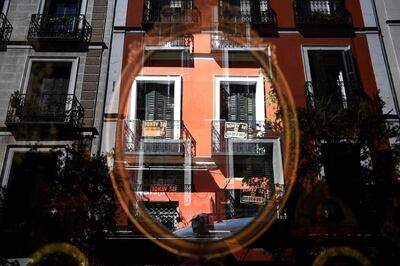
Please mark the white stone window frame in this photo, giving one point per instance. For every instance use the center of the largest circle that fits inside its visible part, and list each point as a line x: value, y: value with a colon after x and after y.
x: 72, y: 77
x: 306, y: 62
x: 177, y: 80
x: 260, y: 93
x: 10, y: 157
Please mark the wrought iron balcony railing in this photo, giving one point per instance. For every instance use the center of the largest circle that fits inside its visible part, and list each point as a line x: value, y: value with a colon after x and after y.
x: 321, y: 12
x: 5, y: 28
x: 334, y: 96
x: 59, y: 27
x: 249, y: 130
x: 254, y: 12
x: 45, y: 109
x: 169, y: 12
x: 161, y: 137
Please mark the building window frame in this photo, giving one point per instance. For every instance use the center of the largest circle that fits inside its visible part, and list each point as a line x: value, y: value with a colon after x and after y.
x: 72, y: 77
x: 307, y: 66
x: 9, y: 157
x: 306, y: 62
x: 260, y: 93
x: 177, y: 80
x: 276, y: 159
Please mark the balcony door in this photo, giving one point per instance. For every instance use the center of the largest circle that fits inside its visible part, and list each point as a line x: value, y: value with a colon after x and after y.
x: 47, y: 90
x: 62, y: 7
x: 61, y: 16
x: 333, y: 76
x: 238, y: 102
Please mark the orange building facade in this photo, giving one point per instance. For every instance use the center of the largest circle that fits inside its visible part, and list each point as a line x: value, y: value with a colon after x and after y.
x: 193, y: 102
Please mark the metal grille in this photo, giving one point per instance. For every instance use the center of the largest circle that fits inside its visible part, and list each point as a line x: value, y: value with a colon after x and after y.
x: 164, y: 213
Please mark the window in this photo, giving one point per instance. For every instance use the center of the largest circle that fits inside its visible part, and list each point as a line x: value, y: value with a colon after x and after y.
x: 239, y: 99
x: 166, y: 213
x: 331, y: 76
x: 47, y: 90
x: 27, y: 185
x: 259, y: 170
x: 238, y: 102
x: 156, y: 98
x: 243, y: 10
x: 62, y: 7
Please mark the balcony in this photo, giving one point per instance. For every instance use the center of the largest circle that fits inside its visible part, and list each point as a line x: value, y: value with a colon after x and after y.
x: 253, y: 12
x: 243, y: 136
x: 44, y: 116
x: 161, y: 137
x: 321, y: 12
x: 169, y: 12
x: 59, y: 32
x: 5, y: 31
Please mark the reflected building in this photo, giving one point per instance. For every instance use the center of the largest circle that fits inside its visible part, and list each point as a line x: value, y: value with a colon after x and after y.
x: 193, y: 112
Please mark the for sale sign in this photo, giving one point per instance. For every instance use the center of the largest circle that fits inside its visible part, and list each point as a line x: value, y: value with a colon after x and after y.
x: 235, y: 130
x: 154, y: 128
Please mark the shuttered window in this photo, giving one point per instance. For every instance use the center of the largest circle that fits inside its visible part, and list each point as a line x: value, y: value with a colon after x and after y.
x: 155, y: 101
x: 237, y: 102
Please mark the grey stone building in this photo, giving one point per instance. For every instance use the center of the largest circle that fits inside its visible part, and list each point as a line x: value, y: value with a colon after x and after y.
x: 53, y: 73
x: 382, y: 21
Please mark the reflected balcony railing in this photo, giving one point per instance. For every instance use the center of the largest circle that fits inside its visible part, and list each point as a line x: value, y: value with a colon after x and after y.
x: 228, y: 41
x: 321, y: 12
x: 180, y: 42
x: 45, y: 108
x: 59, y: 27
x: 222, y: 131
x: 160, y: 137
x: 5, y: 28
x: 254, y: 12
